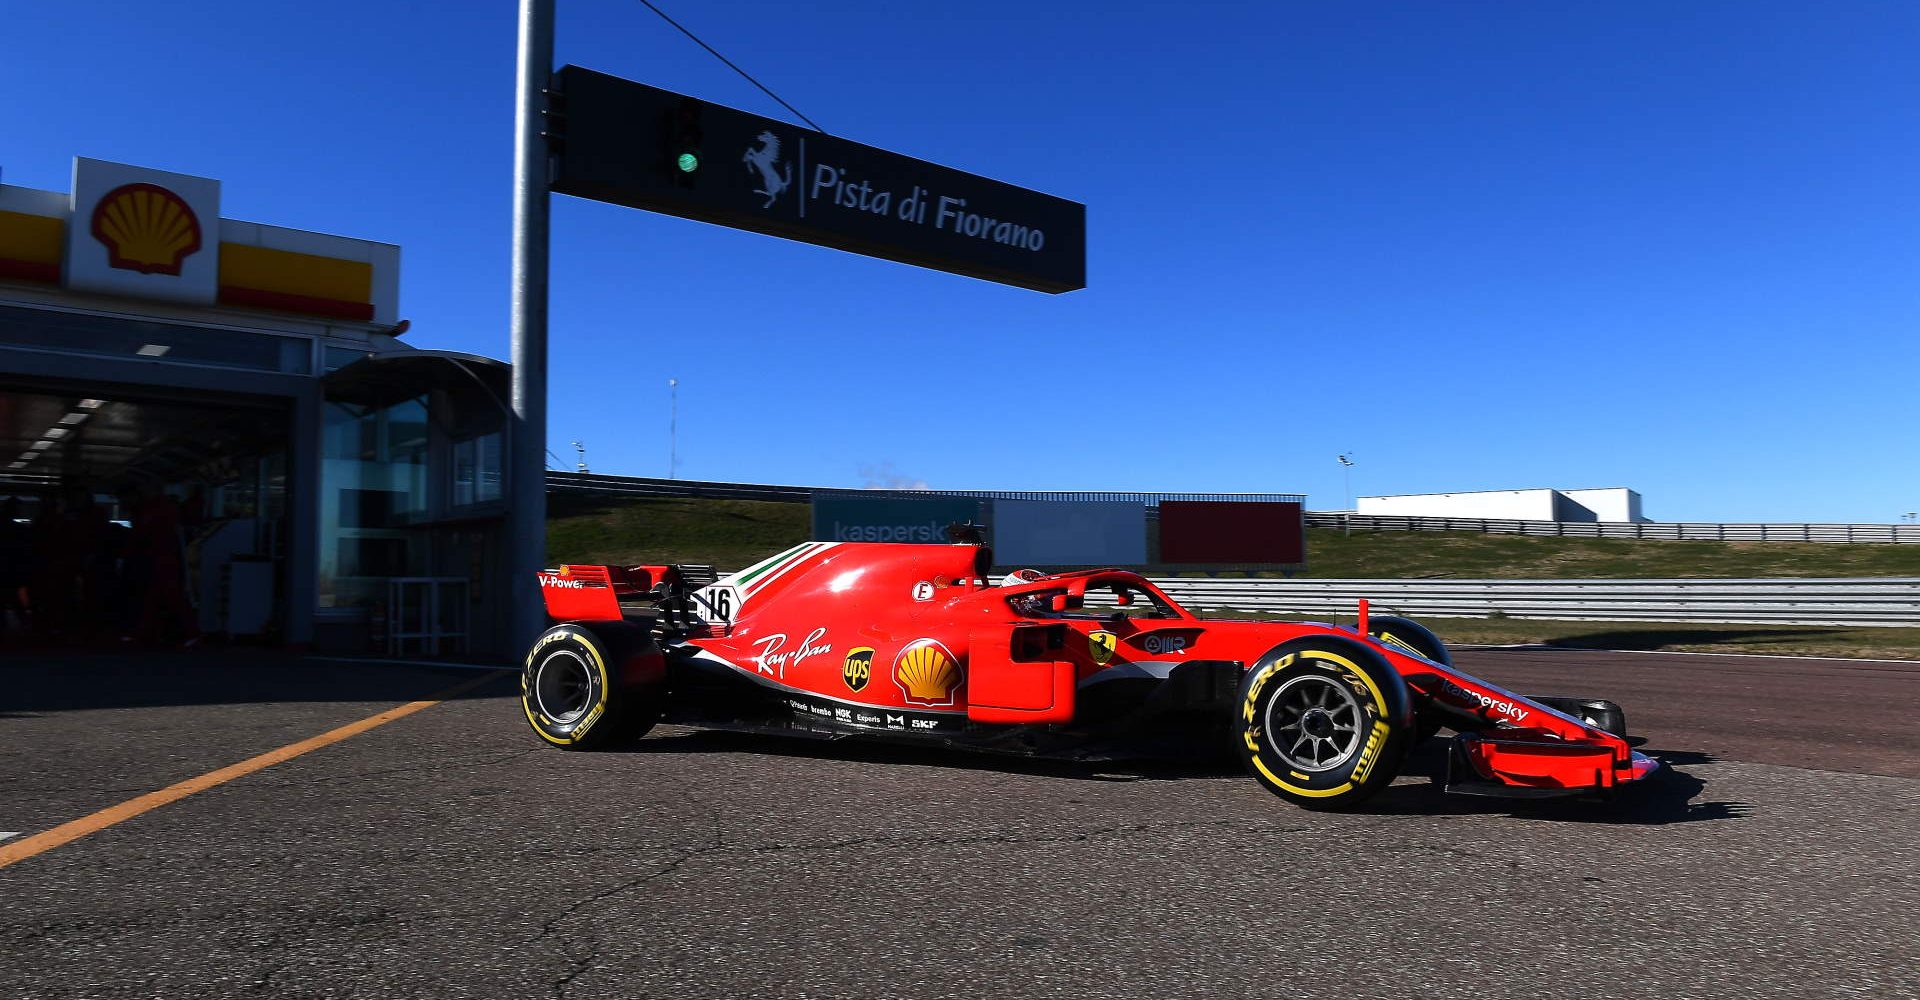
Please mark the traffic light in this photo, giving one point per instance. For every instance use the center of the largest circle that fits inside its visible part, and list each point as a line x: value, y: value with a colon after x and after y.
x: 684, y: 136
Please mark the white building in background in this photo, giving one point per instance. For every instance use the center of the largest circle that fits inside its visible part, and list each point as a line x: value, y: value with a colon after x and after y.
x: 1616, y: 504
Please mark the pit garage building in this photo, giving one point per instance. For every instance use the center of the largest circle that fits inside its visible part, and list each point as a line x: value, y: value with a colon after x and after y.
x: 1608, y: 505
x: 331, y: 485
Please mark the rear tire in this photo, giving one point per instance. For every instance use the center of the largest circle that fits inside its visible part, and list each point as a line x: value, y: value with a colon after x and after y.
x: 1323, y: 722
x: 1412, y: 637
x: 587, y: 687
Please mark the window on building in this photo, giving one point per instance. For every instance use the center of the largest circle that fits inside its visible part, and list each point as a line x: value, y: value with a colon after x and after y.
x: 476, y: 469
x: 373, y: 494
x: 333, y: 357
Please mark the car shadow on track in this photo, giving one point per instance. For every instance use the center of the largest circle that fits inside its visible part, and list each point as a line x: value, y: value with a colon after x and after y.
x: 1670, y: 796
x: 873, y: 752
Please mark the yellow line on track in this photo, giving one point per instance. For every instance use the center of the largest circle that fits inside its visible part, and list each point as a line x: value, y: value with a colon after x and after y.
x: 20, y: 850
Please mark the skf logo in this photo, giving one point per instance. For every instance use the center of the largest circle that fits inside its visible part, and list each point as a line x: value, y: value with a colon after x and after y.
x: 926, y: 673
x: 146, y: 228
x: 858, y: 668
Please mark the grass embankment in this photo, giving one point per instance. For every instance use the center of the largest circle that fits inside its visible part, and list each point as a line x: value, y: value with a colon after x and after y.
x: 1420, y: 555
x: 725, y: 533
x: 735, y: 533
x: 1694, y: 637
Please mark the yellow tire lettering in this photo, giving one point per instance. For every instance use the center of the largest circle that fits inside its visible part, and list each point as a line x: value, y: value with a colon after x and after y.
x: 1375, y: 738
x: 1311, y: 793
x: 592, y: 716
x: 1361, y: 683
x: 580, y: 731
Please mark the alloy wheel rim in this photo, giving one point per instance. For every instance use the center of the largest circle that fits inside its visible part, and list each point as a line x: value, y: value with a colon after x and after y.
x: 561, y: 687
x: 1314, y: 722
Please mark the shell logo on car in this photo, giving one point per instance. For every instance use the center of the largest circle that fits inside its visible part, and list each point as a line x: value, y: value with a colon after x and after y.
x: 927, y: 673
x: 146, y: 228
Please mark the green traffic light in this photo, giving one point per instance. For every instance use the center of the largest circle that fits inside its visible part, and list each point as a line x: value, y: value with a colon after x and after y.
x: 688, y: 162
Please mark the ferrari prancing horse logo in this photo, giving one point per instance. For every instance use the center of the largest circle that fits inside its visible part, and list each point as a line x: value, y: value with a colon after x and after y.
x: 1100, y: 646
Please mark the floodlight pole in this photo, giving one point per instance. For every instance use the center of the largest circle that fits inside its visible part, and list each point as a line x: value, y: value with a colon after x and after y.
x: 527, y: 524
x: 1346, y: 469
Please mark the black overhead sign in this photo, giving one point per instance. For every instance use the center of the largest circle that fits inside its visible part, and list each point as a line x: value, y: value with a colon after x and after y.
x: 635, y: 145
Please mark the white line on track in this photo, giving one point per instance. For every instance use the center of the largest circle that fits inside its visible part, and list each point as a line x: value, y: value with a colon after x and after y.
x: 4, y: 836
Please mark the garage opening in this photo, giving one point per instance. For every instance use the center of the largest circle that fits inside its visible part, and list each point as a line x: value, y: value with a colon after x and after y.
x: 140, y: 516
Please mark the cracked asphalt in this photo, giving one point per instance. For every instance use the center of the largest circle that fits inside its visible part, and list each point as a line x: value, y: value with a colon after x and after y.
x: 447, y: 854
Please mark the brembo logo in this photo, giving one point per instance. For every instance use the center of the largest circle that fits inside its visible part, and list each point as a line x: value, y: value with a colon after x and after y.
x: 1506, y: 708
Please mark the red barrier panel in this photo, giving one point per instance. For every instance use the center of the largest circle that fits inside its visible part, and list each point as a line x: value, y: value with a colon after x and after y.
x: 1215, y: 531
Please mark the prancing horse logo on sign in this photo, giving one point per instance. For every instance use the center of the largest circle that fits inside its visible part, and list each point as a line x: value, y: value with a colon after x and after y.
x: 764, y: 160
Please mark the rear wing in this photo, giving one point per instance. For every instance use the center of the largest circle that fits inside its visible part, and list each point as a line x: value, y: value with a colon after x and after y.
x: 603, y: 593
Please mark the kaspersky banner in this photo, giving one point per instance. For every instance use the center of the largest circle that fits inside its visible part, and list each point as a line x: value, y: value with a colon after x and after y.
x: 630, y: 144
x: 858, y: 517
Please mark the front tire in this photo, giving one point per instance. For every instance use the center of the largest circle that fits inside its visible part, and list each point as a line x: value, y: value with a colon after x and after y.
x: 1323, y: 722
x: 1410, y: 636
x: 586, y: 688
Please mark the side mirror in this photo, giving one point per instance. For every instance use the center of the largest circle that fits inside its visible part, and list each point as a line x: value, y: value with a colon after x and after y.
x: 1122, y: 598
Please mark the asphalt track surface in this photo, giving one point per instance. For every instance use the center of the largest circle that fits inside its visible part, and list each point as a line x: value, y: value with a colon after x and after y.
x: 446, y: 854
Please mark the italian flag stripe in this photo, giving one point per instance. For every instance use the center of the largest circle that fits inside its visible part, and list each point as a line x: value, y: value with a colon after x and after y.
x: 767, y: 571
x: 766, y: 564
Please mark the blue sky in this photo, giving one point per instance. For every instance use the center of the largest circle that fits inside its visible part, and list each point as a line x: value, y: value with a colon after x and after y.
x: 1668, y: 246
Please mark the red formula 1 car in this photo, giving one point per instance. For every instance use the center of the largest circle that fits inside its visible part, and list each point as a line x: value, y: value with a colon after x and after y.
x: 914, y: 643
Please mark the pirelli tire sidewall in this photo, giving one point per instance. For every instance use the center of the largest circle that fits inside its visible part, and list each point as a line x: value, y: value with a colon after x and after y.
x: 1377, y: 689
x: 625, y: 684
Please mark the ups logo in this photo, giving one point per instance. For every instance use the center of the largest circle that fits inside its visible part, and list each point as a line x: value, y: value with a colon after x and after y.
x: 858, y: 668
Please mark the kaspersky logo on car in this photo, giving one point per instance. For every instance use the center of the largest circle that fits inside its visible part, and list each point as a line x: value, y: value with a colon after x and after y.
x: 1500, y: 706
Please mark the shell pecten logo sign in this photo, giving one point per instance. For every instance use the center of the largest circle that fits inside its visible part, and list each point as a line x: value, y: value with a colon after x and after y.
x: 146, y: 228
x: 927, y: 673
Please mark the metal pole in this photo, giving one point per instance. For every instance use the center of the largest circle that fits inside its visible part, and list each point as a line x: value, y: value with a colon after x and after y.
x: 673, y: 425
x: 527, y: 543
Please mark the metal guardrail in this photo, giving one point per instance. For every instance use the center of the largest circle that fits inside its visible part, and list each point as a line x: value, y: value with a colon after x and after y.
x: 1669, y: 530
x: 586, y: 482
x: 1883, y: 601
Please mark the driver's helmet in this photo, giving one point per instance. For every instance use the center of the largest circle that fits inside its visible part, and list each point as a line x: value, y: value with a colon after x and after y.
x: 1020, y: 576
